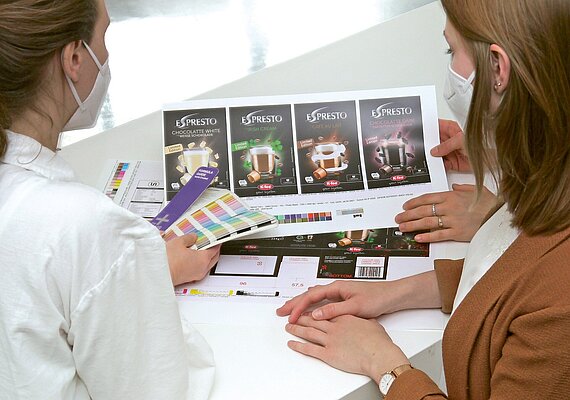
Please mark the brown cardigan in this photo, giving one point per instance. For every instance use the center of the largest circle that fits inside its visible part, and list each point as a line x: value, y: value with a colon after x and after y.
x: 510, y: 337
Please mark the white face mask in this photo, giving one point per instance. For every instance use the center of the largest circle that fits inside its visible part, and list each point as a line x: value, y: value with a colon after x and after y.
x: 458, y: 92
x: 86, y: 114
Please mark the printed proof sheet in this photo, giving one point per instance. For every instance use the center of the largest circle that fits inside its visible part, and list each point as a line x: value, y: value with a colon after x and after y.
x: 318, y: 162
x: 266, y: 272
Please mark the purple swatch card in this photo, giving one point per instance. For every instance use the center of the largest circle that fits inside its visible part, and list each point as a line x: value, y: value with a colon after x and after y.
x: 189, y: 193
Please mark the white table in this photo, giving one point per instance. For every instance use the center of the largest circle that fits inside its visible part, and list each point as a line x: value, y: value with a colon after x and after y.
x: 252, y: 358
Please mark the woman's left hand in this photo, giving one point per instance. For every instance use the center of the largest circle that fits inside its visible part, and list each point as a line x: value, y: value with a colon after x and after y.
x: 349, y: 343
x: 453, y: 215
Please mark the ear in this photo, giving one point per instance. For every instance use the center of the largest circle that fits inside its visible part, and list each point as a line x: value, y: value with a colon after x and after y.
x: 501, y: 64
x: 71, y: 59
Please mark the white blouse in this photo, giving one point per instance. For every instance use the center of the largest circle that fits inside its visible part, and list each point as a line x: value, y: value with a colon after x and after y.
x: 87, y: 307
x: 488, y: 244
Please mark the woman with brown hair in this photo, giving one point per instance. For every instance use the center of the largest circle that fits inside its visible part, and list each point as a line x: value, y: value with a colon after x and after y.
x: 510, y: 299
x: 87, y: 307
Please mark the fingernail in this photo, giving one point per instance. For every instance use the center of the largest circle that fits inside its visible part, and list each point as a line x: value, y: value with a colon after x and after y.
x: 317, y: 314
x: 419, y: 238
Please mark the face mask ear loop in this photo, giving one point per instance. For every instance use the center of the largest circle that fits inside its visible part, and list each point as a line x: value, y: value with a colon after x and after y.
x: 93, y: 56
x: 72, y: 87
x: 471, y: 78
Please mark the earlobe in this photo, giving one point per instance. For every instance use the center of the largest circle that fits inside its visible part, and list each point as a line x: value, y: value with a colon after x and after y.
x: 71, y: 60
x: 501, y: 65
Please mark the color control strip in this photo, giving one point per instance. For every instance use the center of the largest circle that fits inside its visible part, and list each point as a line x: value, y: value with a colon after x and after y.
x: 115, y: 183
x: 306, y: 217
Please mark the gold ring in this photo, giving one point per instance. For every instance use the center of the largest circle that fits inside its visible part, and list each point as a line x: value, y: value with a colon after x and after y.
x: 433, y: 210
x: 439, y: 222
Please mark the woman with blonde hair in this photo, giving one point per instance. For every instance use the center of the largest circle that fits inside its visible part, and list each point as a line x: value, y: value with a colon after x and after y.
x: 510, y: 299
x: 87, y: 307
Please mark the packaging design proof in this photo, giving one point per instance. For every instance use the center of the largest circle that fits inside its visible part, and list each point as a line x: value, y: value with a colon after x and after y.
x: 193, y: 139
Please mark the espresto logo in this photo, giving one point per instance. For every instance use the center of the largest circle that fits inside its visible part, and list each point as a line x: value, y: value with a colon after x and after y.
x: 254, y: 118
x: 385, y: 111
x: 191, y: 120
x: 319, y: 115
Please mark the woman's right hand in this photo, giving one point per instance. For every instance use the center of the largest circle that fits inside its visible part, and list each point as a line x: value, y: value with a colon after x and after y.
x: 452, y: 147
x: 362, y: 299
x: 365, y: 299
x: 188, y: 265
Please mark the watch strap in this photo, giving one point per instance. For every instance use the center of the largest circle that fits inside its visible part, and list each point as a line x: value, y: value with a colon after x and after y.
x: 392, y: 375
x: 401, y: 369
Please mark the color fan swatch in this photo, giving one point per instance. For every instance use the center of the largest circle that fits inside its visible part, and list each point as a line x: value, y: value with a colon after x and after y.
x: 223, y: 219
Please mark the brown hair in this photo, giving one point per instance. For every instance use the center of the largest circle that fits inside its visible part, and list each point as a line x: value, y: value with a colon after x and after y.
x: 31, y: 33
x: 531, y: 127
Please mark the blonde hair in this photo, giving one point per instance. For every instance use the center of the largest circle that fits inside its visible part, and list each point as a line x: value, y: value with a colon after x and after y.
x: 531, y: 127
x: 31, y: 33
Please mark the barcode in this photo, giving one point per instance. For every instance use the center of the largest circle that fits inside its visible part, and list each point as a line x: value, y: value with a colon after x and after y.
x: 369, y: 272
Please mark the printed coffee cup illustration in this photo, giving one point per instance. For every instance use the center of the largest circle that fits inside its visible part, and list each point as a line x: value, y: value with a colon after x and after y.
x: 195, y: 158
x: 357, y: 236
x: 262, y: 163
x: 393, y: 156
x: 329, y: 158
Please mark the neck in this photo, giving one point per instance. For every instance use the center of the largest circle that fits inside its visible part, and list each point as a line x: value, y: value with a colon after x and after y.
x: 44, y: 126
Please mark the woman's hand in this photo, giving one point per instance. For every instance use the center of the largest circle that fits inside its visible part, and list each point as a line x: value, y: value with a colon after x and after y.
x: 452, y: 147
x: 187, y: 265
x: 459, y: 214
x: 351, y: 344
x: 364, y: 299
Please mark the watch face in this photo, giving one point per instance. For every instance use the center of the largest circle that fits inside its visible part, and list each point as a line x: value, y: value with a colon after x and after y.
x: 385, y: 383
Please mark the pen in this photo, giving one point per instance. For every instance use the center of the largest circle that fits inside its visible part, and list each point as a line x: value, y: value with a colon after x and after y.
x: 257, y: 294
x: 198, y: 292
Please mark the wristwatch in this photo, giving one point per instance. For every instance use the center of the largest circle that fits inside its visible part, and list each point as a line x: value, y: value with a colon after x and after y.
x: 388, y: 378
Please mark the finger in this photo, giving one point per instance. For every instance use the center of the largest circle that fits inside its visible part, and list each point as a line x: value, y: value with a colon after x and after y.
x: 299, y: 304
x: 448, y: 128
x: 439, y: 235
x: 463, y: 187
x: 308, y: 321
x: 212, y: 252
x: 313, y: 296
x: 308, y: 349
x: 333, y: 310
x: 450, y: 145
x: 419, y: 225
x: 307, y: 332
x: 417, y: 213
x: 428, y: 198
x: 213, y: 261
x: 188, y: 240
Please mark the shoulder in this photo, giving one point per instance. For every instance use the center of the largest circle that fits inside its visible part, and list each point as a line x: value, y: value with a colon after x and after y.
x: 76, y: 224
x: 81, y: 207
x: 544, y: 279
